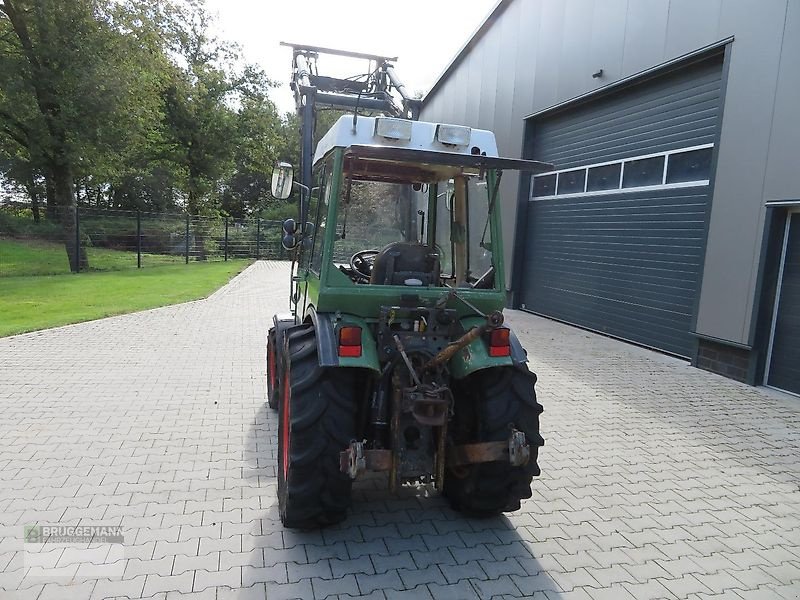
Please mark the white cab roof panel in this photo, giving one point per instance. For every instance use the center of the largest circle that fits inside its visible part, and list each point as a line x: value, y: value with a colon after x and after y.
x: 412, y: 135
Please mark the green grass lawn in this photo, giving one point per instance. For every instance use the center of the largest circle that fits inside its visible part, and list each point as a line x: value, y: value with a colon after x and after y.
x: 46, y: 258
x: 28, y: 303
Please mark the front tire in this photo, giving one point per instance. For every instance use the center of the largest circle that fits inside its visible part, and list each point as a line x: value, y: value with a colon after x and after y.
x: 317, y: 421
x: 490, y: 402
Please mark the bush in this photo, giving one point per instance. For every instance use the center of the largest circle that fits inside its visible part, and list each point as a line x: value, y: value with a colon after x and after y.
x: 23, y: 226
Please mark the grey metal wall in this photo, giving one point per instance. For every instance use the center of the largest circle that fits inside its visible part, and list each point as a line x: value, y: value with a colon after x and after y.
x: 535, y: 54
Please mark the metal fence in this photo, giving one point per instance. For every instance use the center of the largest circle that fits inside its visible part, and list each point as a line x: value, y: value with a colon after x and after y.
x: 118, y: 239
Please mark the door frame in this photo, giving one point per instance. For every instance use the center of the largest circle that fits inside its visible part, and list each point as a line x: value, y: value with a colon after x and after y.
x: 794, y: 210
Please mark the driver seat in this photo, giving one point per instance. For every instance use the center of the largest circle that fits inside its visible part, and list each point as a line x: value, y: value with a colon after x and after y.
x: 402, y: 261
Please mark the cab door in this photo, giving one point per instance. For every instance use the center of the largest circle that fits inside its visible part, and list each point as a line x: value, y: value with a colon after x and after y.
x: 312, y: 243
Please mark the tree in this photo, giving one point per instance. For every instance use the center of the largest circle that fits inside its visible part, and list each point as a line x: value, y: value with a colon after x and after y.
x: 199, y: 118
x: 260, y: 141
x: 73, y: 76
x: 132, y: 104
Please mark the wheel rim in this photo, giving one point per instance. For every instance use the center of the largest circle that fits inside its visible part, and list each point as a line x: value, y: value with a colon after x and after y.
x: 271, y: 366
x: 285, y: 422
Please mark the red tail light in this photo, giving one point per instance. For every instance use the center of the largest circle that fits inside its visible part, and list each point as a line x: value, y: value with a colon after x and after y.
x: 350, y: 341
x: 498, y: 342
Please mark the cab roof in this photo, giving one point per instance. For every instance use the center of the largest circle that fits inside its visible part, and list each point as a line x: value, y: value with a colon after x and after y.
x: 389, y: 148
x: 422, y: 136
x: 424, y: 166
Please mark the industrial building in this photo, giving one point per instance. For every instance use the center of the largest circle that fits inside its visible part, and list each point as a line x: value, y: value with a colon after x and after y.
x: 672, y: 216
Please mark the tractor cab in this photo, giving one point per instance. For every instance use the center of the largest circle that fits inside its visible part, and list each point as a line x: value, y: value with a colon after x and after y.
x: 402, y: 204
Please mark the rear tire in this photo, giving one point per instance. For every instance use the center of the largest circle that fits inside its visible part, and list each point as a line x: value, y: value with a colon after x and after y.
x: 489, y: 402
x: 317, y: 421
x: 273, y: 375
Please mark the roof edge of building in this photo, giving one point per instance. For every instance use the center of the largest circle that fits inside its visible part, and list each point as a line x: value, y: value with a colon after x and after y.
x: 496, y: 11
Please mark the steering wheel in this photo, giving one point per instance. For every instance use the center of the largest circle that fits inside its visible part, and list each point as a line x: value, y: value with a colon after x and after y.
x: 361, y: 262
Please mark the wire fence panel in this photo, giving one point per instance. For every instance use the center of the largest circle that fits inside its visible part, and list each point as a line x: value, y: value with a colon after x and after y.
x: 118, y: 239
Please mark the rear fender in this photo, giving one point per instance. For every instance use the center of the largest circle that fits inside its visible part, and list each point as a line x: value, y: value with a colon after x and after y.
x: 327, y: 326
x: 475, y: 356
x: 281, y: 324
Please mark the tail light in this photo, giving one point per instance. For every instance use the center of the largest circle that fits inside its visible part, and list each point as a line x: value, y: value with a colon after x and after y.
x: 499, y: 342
x: 350, y: 341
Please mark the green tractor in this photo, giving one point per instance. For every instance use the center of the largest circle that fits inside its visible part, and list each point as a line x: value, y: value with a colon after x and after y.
x: 394, y: 356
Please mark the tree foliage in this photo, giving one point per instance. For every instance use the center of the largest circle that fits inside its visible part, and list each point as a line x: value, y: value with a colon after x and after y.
x: 133, y: 104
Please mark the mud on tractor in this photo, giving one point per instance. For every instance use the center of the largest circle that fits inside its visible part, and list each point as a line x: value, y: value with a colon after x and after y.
x: 394, y: 356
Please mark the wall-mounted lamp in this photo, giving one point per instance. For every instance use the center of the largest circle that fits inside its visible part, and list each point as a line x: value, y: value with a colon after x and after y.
x: 597, y: 74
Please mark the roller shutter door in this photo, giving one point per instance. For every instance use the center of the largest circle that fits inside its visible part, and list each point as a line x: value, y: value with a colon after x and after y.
x: 624, y: 257
x: 784, y: 360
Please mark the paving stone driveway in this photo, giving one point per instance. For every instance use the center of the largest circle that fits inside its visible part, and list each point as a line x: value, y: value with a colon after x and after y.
x: 659, y: 480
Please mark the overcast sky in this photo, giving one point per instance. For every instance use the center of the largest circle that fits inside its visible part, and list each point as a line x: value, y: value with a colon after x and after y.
x: 424, y: 34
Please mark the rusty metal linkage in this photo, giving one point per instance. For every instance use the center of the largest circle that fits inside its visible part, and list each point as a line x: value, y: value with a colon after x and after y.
x: 519, y: 453
x: 493, y: 321
x: 356, y: 459
x: 401, y: 349
x: 515, y: 450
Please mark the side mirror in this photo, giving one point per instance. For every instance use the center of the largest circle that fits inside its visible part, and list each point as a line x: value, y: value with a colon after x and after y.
x: 282, y: 180
x: 289, y: 239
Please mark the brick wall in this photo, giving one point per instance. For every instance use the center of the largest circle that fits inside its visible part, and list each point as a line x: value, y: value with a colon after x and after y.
x: 725, y: 360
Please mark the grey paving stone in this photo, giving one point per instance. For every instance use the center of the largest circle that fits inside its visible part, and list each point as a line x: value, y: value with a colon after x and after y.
x: 576, y: 594
x: 376, y: 595
x: 411, y: 544
x: 441, y: 557
x: 301, y: 590
x: 319, y: 569
x: 687, y: 502
x: 169, y: 583
x: 109, y: 588
x: 462, y: 590
x: 465, y: 555
x: 351, y: 566
x: 254, y: 592
x: 414, y: 577
x: 371, y: 548
x: 649, y: 590
x: 78, y: 591
x: 162, y: 566
x: 240, y: 559
x: 579, y: 578
x: 31, y: 593
x: 381, y: 581
x: 495, y: 587
x: 231, y: 577
x: 324, y: 588
x: 470, y: 570
x: 683, y: 586
x: 275, y: 574
x: 207, y: 594
x: 614, y: 592
x: 383, y: 564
